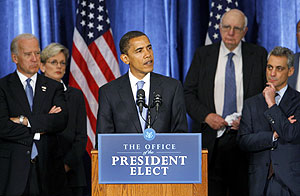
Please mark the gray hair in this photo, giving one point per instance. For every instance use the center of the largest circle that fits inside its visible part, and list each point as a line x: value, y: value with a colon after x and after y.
x: 52, y: 50
x: 283, y: 52
x: 245, y: 18
x: 15, y: 42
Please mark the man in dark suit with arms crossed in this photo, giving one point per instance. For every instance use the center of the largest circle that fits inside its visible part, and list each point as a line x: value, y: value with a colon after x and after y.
x: 270, y: 131
x: 207, y: 98
x: 32, y: 110
x: 118, y: 112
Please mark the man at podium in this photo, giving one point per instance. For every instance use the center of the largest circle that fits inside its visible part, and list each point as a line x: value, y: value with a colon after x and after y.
x: 160, y: 99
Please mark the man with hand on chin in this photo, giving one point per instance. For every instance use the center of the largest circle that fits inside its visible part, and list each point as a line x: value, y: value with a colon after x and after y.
x: 221, y: 76
x: 270, y: 131
x: 118, y: 112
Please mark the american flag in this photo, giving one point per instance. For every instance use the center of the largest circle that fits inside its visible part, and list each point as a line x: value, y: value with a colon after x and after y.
x: 94, y: 59
x: 217, y: 9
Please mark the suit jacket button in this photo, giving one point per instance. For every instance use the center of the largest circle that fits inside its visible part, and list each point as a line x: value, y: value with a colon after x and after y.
x: 28, y: 152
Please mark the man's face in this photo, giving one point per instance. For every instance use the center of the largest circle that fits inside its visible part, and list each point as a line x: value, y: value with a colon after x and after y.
x: 232, y: 29
x: 139, y: 56
x: 298, y: 33
x: 28, y: 57
x: 277, y: 71
x: 55, y: 67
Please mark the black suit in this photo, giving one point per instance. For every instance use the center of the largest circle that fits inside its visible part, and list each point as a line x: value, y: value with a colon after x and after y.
x: 199, y: 88
x: 73, y: 139
x: 118, y: 113
x: 16, y: 140
x: 256, y: 137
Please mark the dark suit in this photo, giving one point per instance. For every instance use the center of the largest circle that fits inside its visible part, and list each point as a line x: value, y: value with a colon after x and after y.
x: 256, y: 136
x: 199, y: 90
x: 16, y: 140
x: 292, y: 81
x: 73, y: 139
x: 118, y: 112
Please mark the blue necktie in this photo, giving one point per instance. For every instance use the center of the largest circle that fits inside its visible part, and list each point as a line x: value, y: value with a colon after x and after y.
x: 140, y: 85
x: 29, y: 93
x: 230, y: 88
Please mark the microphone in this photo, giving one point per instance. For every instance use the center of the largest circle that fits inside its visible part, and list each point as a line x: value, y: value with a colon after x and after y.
x: 140, y: 99
x: 157, y: 101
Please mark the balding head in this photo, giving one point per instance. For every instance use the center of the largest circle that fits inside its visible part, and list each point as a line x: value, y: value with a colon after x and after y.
x: 233, y: 28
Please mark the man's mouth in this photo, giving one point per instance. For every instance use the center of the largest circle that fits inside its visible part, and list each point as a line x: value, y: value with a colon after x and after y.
x: 148, y: 62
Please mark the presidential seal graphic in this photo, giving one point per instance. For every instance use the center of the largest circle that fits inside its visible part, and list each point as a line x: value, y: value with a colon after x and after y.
x: 149, y: 134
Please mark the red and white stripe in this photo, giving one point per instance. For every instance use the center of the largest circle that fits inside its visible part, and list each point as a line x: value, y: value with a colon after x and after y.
x: 91, y: 67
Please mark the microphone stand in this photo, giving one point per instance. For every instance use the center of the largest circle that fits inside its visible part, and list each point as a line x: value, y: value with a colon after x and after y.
x: 156, y: 103
x: 149, y: 118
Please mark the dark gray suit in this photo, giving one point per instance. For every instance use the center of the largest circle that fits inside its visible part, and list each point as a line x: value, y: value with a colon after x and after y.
x: 16, y: 139
x: 292, y: 81
x: 118, y: 113
x: 199, y: 98
x: 255, y: 136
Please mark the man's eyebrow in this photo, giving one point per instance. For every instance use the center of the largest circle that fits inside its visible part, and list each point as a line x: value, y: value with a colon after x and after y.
x: 138, y: 48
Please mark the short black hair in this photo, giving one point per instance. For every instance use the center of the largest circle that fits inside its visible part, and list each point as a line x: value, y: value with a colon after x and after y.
x: 124, y: 42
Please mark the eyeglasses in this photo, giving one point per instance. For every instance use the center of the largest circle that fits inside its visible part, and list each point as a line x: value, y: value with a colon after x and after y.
x: 227, y: 28
x: 55, y: 62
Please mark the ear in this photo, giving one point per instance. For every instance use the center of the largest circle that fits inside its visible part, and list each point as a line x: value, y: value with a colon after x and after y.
x: 291, y: 71
x: 42, y: 67
x: 14, y: 58
x: 125, y: 58
x: 245, y: 31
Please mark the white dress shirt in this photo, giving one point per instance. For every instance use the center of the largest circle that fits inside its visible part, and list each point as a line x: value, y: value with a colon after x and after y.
x: 133, y: 83
x: 219, y: 88
x: 23, y: 79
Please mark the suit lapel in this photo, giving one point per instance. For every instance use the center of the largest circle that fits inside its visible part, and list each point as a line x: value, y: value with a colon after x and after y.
x: 18, y: 92
x: 155, y: 83
x: 212, y: 64
x: 127, y: 98
x: 40, y: 93
x: 247, y: 67
x: 286, y: 102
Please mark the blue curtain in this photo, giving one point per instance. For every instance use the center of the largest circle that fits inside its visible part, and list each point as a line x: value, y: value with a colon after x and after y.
x: 49, y: 20
x: 277, y: 23
x: 175, y: 27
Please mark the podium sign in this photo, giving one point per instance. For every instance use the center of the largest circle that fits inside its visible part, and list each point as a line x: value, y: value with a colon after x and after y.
x: 168, y: 158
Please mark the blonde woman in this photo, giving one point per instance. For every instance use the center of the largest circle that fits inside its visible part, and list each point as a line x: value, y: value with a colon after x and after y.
x: 73, y: 139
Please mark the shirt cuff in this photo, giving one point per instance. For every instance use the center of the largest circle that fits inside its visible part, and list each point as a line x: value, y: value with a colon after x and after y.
x: 37, y: 136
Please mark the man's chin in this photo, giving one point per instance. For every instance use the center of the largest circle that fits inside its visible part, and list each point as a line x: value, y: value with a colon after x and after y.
x: 230, y: 45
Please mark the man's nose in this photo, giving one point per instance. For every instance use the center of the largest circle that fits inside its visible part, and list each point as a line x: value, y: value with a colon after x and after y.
x: 34, y: 57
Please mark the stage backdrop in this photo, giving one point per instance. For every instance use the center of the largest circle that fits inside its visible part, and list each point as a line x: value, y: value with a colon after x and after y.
x: 175, y: 27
